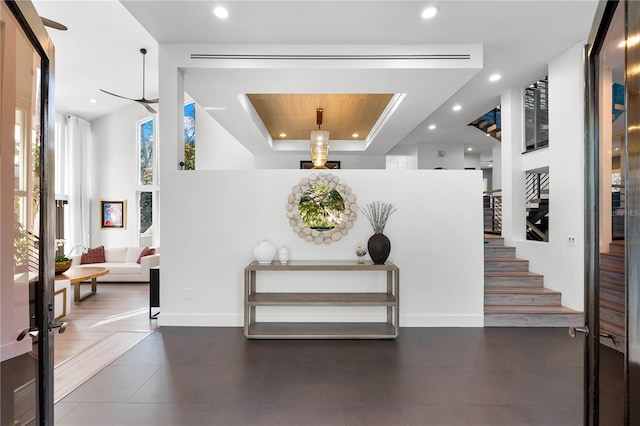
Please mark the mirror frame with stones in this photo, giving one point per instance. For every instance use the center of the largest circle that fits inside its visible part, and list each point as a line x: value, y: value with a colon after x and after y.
x: 348, y: 216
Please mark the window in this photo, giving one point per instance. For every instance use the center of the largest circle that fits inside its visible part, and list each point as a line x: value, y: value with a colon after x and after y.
x: 190, y: 136
x: 146, y: 139
x: 145, y: 208
x: 536, y: 115
x: 147, y: 194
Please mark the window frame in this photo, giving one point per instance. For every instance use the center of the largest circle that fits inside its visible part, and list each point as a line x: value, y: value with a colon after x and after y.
x: 152, y: 187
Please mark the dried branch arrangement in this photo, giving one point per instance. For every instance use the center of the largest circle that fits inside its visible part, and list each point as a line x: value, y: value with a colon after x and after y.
x: 378, y: 213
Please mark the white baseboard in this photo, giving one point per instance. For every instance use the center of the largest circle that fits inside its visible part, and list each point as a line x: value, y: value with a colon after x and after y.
x: 441, y: 320
x: 193, y: 320
x: 199, y: 320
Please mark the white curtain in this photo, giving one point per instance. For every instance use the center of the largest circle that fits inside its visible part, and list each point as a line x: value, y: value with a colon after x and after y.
x: 73, y: 155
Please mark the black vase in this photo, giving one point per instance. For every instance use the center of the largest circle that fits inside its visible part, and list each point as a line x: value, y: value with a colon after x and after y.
x: 379, y: 248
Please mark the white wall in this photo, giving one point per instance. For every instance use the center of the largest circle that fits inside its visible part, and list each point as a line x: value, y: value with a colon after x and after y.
x: 402, y: 157
x: 216, y: 149
x: 114, y: 172
x: 496, y: 170
x: 114, y: 164
x: 561, y: 264
x: 213, y: 219
x: 428, y: 156
x: 472, y: 160
x: 488, y: 175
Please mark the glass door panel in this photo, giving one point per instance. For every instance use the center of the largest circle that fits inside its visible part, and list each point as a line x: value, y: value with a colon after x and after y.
x: 21, y: 170
x: 612, y: 210
x: 612, y: 276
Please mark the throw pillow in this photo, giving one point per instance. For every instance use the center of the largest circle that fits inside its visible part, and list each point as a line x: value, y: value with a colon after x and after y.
x: 133, y: 253
x: 146, y: 252
x: 93, y: 255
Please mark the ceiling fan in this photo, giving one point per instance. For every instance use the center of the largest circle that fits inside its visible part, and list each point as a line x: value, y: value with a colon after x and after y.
x: 53, y: 24
x: 142, y: 101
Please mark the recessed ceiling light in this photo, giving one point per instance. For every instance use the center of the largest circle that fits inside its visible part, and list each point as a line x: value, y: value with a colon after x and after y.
x: 220, y: 12
x: 214, y: 108
x: 457, y: 107
x: 283, y: 135
x: 355, y: 135
x: 488, y: 134
x: 495, y: 77
x: 429, y: 12
x: 432, y: 127
x: 469, y: 149
x: 490, y: 165
x: 92, y: 100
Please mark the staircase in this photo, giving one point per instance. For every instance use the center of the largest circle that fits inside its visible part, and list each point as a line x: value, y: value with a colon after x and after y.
x: 489, y: 123
x: 516, y: 297
x: 612, y: 295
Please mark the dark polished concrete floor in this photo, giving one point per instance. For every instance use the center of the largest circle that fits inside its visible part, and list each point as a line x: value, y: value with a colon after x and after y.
x: 428, y: 376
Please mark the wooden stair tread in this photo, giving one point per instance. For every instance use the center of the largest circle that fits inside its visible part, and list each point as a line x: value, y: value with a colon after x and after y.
x: 617, y: 242
x: 518, y: 298
x: 533, y: 309
x: 611, y: 269
x: 519, y: 290
x: 511, y: 274
x: 612, y: 286
x: 504, y: 259
x: 612, y: 254
x: 612, y: 328
x: 611, y: 305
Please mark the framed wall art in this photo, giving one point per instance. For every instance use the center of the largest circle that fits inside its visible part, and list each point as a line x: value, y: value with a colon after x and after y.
x: 113, y: 214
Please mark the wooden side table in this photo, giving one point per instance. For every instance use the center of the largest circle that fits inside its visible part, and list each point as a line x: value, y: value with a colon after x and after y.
x: 77, y: 274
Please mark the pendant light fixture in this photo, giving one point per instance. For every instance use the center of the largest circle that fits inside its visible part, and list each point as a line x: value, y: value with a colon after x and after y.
x: 319, y: 144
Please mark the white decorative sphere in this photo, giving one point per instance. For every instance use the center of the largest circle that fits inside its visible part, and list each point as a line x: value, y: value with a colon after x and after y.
x: 264, y: 252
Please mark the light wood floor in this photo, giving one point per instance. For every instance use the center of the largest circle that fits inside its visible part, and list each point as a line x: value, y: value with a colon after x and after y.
x: 114, y: 308
x: 100, y: 329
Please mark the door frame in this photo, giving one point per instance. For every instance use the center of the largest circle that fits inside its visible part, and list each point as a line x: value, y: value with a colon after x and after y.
x: 31, y: 23
x: 602, y: 20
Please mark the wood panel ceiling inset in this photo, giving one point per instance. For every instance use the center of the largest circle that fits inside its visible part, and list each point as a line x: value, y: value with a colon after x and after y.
x: 295, y: 114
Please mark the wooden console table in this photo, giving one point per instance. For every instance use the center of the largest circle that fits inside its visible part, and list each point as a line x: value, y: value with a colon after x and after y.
x: 324, y: 330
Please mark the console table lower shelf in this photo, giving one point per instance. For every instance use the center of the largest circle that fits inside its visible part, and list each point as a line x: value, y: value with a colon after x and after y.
x: 322, y: 330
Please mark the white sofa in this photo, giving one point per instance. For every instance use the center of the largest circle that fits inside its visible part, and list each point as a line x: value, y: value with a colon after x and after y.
x: 122, y: 264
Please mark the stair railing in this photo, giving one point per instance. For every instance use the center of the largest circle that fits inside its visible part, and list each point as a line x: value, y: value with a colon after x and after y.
x: 33, y: 253
x: 533, y: 228
x: 536, y: 184
x: 492, y: 201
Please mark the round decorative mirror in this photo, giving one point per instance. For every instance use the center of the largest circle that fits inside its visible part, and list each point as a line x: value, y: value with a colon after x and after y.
x: 321, y: 208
